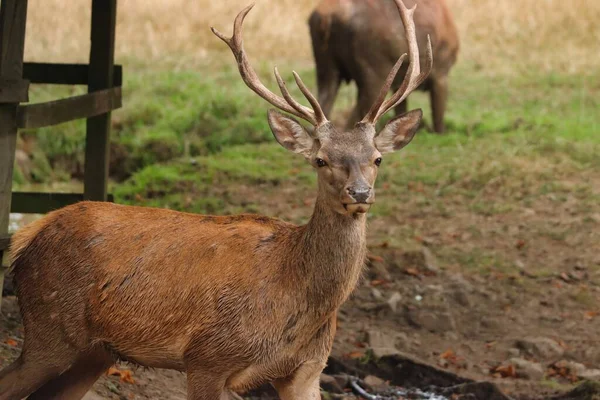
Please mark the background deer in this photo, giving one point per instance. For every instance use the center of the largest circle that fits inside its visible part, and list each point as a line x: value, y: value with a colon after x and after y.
x: 360, y: 40
x: 234, y: 301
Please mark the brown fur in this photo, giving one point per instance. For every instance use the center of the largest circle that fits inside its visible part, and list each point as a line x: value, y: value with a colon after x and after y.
x: 360, y: 40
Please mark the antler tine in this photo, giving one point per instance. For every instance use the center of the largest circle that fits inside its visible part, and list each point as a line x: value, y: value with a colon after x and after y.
x: 414, y: 76
x: 250, y: 78
x: 372, y: 114
x: 319, y: 114
x: 286, y: 94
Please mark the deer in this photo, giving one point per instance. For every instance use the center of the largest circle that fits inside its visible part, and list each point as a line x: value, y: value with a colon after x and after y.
x: 360, y: 40
x: 232, y: 301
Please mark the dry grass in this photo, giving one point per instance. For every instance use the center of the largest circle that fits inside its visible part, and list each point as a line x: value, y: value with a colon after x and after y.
x: 551, y: 35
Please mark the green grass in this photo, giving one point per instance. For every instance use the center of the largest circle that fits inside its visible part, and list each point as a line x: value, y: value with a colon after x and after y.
x: 511, y: 136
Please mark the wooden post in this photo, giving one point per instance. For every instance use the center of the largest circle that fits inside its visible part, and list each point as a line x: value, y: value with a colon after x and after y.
x: 13, y: 16
x: 97, y: 143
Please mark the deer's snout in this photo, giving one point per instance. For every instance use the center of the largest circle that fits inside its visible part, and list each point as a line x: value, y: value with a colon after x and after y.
x: 359, y: 194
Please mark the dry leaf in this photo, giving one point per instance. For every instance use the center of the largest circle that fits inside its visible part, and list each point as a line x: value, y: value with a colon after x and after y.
x: 11, y: 342
x: 355, y: 354
x: 412, y: 271
x: 374, y: 258
x: 448, y: 354
x: 125, y: 375
x: 506, y: 371
x: 378, y: 282
x: 590, y: 314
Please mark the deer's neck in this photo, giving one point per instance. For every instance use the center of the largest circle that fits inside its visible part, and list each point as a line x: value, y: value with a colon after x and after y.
x: 332, y: 251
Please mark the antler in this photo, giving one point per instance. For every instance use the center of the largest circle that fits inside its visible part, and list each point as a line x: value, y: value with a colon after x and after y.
x: 315, y: 115
x: 414, y: 76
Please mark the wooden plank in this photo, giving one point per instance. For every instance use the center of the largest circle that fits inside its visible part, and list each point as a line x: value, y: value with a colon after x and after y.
x: 43, y: 202
x: 102, y: 55
x: 4, y: 242
x: 13, y: 16
x: 64, y: 74
x: 69, y: 109
x: 14, y: 90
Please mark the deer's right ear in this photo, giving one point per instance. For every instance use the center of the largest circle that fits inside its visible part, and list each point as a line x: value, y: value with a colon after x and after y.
x: 290, y: 134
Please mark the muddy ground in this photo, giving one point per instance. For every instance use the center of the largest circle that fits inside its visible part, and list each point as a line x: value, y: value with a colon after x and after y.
x: 511, y: 297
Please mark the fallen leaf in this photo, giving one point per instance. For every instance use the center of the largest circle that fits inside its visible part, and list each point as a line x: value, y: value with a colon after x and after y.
x: 590, y: 314
x: 412, y: 271
x: 124, y: 375
x: 11, y: 342
x: 506, y: 371
x: 355, y: 354
x: 374, y: 258
x: 378, y: 282
x: 448, y: 354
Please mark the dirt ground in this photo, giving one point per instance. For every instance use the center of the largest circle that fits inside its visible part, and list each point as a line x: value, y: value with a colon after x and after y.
x: 509, y: 297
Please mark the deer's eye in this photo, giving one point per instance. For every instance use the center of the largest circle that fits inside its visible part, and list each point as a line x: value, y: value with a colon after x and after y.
x: 320, y: 162
x: 378, y: 161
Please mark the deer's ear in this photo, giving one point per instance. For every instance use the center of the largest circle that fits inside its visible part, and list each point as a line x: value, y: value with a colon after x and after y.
x: 398, y: 132
x: 289, y: 133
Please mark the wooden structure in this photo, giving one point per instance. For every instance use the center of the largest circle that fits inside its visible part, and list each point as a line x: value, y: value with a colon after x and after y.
x: 103, y: 80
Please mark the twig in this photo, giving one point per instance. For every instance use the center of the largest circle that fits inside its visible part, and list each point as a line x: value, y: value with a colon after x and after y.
x: 362, y: 391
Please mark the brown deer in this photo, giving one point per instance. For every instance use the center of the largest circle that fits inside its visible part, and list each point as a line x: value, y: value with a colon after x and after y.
x: 233, y: 301
x: 360, y: 40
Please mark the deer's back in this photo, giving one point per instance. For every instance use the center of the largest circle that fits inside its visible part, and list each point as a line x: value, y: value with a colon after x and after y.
x: 357, y: 33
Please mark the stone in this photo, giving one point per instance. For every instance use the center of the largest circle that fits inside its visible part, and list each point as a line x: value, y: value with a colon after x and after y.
x: 527, y: 369
x: 513, y: 352
x: 92, y: 396
x: 590, y: 374
x: 394, y: 301
x: 436, y: 322
x: 376, y: 294
x: 381, y: 344
x: 540, y: 347
x: 375, y: 384
x: 429, y: 260
x: 574, y: 367
x: 330, y: 384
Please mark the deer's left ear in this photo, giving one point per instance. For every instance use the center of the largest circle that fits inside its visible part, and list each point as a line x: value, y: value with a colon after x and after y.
x: 398, y: 132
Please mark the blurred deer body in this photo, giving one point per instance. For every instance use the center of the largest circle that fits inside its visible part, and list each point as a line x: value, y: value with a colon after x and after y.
x: 234, y: 301
x: 360, y: 40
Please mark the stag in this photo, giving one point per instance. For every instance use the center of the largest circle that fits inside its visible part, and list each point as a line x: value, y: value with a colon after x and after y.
x: 233, y: 301
x: 360, y: 40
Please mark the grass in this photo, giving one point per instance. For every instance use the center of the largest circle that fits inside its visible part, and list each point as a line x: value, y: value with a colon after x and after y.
x: 531, y: 35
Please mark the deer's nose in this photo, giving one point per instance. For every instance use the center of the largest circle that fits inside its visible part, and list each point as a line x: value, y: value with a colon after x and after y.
x: 360, y: 194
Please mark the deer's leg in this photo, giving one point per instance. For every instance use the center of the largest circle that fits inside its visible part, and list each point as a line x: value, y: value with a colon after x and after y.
x: 328, y: 81
x: 205, y: 385
x: 439, y: 97
x: 302, y: 385
x: 368, y: 90
x: 74, y: 383
x: 29, y: 372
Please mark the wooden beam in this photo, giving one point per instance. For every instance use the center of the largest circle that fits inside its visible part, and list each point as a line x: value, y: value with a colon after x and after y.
x: 4, y: 243
x: 14, y: 90
x: 102, y: 55
x: 13, y: 16
x: 63, y: 110
x: 64, y: 74
x: 43, y: 202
